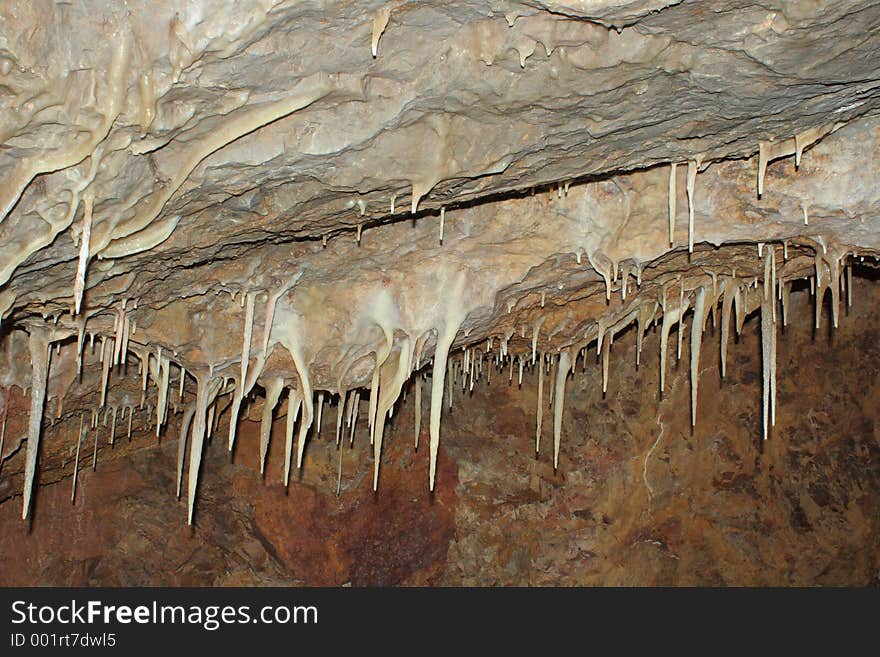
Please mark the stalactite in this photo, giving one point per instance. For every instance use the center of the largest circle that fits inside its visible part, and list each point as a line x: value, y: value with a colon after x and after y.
x: 822, y: 282
x: 640, y: 333
x: 120, y: 329
x: 739, y: 301
x: 355, y: 411
x: 38, y: 347
x: 80, y: 343
x: 834, y: 283
x: 763, y: 149
x: 455, y: 315
x: 672, y: 187
x: 340, y: 409
x: 293, y: 404
x: 238, y: 396
x: 203, y: 398
x: 670, y: 317
x: 79, y: 284
x: 561, y: 375
x: 212, y: 419
x: 164, y: 365
x: 785, y: 287
x: 727, y: 294
x: 320, y: 413
x: 540, y: 412
x: 380, y: 22
x: 691, y: 182
x: 389, y: 392
x: 95, y: 448
x: 696, y: 344
x: 105, y: 368
x: 681, y: 312
x: 273, y: 392
x: 606, y: 352
x: 126, y: 332
x: 849, y: 285
x: 768, y: 349
x: 374, y: 396
x: 417, y: 403
x: 185, y: 422
x: 144, y: 372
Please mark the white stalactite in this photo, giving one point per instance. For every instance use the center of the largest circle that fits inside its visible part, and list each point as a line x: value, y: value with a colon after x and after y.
x: 561, y: 375
x: 672, y: 188
x: 691, y: 182
x: 238, y: 396
x: 340, y: 410
x: 455, y: 315
x: 606, y: 353
x: 380, y: 22
x: 293, y: 404
x: 417, y: 430
x: 79, y: 284
x: 273, y: 392
x: 38, y: 347
x: 389, y: 392
x: 540, y: 412
x: 204, y: 396
x: 696, y: 344
x: 106, y: 362
x: 185, y: 423
x: 768, y: 351
x: 727, y: 295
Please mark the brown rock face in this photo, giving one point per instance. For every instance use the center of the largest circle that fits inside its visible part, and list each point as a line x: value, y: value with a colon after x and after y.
x: 220, y: 214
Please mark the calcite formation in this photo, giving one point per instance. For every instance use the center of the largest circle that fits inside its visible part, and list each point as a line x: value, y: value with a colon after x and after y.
x: 325, y: 205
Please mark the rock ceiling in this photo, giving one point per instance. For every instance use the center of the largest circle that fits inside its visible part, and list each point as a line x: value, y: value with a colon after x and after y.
x: 328, y: 200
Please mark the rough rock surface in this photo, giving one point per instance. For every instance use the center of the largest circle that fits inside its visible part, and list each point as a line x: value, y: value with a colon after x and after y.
x: 212, y: 208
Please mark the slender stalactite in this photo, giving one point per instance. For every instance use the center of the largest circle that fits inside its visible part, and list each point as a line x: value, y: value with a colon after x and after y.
x: 768, y: 347
x: 727, y: 295
x: 293, y: 403
x: 445, y: 337
x: 273, y: 393
x: 540, y: 412
x: 245, y: 358
x: 696, y: 344
x: 389, y: 393
x: 106, y: 358
x: 417, y: 407
x: 197, y: 443
x: 562, y: 371
x: 79, y: 285
x: 38, y: 347
x: 185, y: 423
x: 4, y: 392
